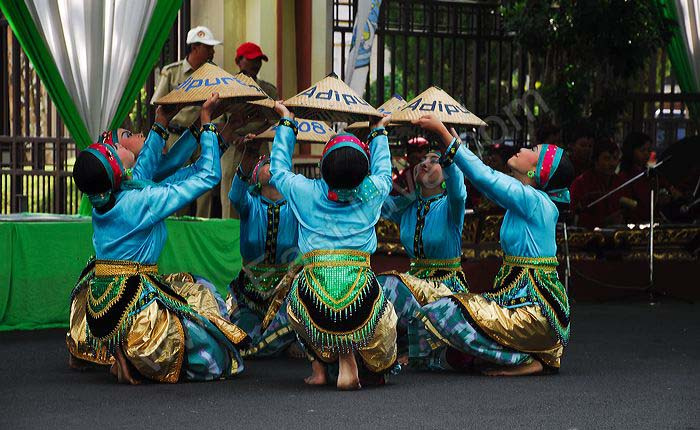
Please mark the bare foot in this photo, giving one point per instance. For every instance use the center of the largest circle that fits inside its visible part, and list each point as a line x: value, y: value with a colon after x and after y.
x: 76, y: 363
x: 295, y: 351
x: 318, y: 374
x: 348, y: 378
x: 530, y: 368
x: 403, y: 360
x: 124, y: 375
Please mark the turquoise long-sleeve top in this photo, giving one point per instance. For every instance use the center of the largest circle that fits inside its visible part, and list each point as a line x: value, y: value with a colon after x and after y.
x: 323, y: 223
x: 269, y: 230
x: 179, y: 154
x: 529, y: 225
x: 134, y: 229
x: 431, y: 227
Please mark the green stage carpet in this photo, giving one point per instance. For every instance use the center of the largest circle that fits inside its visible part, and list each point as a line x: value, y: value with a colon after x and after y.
x: 42, y: 256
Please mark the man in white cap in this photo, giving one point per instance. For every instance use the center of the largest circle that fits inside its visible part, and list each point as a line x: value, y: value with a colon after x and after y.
x: 200, y: 49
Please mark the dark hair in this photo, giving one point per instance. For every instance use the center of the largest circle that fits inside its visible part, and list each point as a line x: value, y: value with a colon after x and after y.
x: 91, y: 177
x: 633, y: 141
x: 562, y: 178
x: 503, y: 151
x: 188, y: 47
x: 344, y: 168
x: 603, y: 145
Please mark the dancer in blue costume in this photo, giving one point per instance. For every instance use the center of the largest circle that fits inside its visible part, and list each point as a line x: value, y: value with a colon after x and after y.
x: 522, y: 326
x: 80, y: 352
x: 431, y: 233
x: 269, y: 233
x: 162, y: 330
x: 336, y: 305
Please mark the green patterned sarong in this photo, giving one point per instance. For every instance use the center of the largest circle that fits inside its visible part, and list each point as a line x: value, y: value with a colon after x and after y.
x: 338, y: 299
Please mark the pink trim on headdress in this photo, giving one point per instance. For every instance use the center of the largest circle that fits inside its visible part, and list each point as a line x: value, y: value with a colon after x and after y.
x: 341, y: 138
x: 418, y: 141
x: 261, y: 162
x: 547, y: 161
x: 112, y: 160
x: 108, y: 138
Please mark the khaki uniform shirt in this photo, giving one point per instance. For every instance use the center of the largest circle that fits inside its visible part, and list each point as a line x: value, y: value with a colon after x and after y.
x: 171, y: 76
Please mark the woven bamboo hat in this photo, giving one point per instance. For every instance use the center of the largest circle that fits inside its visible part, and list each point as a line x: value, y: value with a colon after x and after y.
x: 330, y: 99
x: 263, y: 108
x: 208, y: 79
x: 437, y: 102
x: 310, y: 131
x: 390, y: 106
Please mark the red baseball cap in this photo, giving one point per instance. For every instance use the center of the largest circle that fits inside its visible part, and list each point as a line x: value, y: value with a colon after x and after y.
x: 250, y: 51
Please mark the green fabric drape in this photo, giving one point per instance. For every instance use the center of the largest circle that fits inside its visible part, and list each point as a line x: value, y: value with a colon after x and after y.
x: 35, y: 48
x: 678, y: 54
x: 36, y: 281
x: 162, y: 20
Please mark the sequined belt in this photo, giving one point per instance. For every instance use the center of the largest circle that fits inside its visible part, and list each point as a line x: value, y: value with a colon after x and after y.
x: 335, y: 258
x: 123, y: 267
x: 541, y: 263
x: 262, y: 278
x: 451, y: 264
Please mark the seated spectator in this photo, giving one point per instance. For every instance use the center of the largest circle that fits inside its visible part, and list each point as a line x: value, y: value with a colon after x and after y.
x: 593, y: 184
x: 404, y: 182
x: 636, y: 151
x: 580, y: 148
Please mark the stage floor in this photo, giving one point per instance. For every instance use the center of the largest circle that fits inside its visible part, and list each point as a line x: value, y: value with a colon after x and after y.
x: 628, y: 366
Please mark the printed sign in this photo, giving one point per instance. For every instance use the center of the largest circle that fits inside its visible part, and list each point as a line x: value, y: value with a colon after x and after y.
x: 190, y: 83
x: 434, y: 106
x: 348, y: 99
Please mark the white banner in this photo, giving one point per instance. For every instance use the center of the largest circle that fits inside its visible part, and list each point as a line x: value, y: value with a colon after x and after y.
x: 364, y: 28
x: 94, y: 44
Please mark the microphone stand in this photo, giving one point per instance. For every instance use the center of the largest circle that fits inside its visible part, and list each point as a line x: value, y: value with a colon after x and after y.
x: 649, y: 171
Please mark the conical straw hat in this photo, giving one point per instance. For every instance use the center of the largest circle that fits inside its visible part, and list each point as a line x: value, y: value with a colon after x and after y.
x: 390, y: 106
x: 208, y: 79
x: 330, y: 99
x: 310, y: 131
x: 264, y: 108
x: 437, y: 102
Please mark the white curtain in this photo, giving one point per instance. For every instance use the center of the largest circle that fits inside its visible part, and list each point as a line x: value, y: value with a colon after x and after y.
x: 689, y: 20
x: 94, y: 44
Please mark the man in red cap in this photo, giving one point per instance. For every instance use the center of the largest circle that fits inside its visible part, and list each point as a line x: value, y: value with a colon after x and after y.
x: 249, y: 58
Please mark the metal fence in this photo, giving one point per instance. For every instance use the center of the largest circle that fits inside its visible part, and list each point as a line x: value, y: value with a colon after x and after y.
x: 460, y: 47
x: 464, y: 48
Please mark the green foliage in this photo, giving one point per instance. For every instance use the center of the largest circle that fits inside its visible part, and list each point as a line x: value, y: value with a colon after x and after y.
x: 588, y: 54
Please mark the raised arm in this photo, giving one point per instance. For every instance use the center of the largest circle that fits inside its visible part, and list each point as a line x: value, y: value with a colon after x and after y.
x: 380, y: 159
x: 239, y: 195
x: 150, y: 156
x: 504, y: 190
x: 179, y: 154
x: 172, y: 195
x: 151, y: 153
x: 283, y: 178
x: 394, y: 207
x: 456, y: 193
x: 188, y: 183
